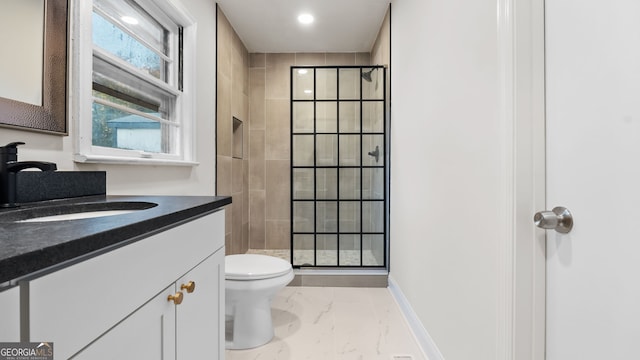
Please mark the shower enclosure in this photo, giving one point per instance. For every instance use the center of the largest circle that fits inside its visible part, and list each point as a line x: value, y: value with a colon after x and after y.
x: 338, y: 167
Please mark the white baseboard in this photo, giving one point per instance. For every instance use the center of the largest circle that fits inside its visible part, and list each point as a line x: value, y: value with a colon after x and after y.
x: 425, y: 341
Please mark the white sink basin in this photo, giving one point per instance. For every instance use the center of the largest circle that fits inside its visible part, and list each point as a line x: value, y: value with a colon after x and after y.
x: 77, y: 216
x: 76, y: 211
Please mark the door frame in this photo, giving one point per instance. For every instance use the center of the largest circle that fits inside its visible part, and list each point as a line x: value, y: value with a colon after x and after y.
x: 522, y: 261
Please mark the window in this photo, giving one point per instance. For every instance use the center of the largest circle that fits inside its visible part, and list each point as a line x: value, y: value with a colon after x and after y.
x: 135, y: 94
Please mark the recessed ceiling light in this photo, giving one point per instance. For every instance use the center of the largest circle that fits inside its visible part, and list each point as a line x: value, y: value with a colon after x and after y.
x: 305, y: 19
x: 130, y: 20
x: 302, y: 71
x: 308, y: 91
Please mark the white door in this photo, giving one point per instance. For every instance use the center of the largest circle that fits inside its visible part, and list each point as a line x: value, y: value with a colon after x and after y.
x: 593, y: 169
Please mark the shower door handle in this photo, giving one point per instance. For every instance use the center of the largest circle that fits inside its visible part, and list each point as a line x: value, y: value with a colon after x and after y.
x: 558, y: 219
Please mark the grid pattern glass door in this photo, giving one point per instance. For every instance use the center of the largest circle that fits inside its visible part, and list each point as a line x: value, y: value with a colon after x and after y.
x: 338, y: 166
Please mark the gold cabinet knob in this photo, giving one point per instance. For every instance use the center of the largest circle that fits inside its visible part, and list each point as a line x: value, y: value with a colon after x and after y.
x: 190, y: 286
x: 177, y: 298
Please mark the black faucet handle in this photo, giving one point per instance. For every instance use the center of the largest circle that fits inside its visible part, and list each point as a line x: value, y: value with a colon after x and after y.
x: 11, y: 148
x: 13, y: 144
x: 9, y: 153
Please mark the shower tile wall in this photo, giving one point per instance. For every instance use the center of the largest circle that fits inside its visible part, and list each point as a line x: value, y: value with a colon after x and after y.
x: 233, y: 101
x: 269, y: 138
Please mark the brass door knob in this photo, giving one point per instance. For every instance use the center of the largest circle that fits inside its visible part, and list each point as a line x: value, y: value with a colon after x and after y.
x: 189, y: 287
x: 177, y: 298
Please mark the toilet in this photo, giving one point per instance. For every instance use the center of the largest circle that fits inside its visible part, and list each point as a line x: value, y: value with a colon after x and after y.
x: 251, y: 281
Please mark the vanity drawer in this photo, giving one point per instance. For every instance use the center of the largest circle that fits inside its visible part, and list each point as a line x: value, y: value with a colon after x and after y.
x: 73, y: 306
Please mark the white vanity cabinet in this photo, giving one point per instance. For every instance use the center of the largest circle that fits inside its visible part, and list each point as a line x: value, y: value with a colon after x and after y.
x: 10, y: 315
x: 117, y: 306
x: 163, y: 330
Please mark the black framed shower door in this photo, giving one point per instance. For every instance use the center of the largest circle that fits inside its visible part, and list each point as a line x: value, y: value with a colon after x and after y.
x: 338, y: 166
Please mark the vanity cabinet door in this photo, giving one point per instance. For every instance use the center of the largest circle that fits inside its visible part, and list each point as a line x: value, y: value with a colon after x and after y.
x: 10, y: 315
x: 146, y: 334
x: 200, y: 317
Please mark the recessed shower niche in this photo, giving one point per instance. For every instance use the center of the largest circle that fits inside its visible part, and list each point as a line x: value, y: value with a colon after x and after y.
x: 237, y: 138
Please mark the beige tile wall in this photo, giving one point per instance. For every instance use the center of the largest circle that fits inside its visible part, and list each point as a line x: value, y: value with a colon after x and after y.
x: 233, y: 101
x: 270, y: 136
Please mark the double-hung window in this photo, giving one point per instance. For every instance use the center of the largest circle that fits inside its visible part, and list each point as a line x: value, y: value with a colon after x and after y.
x: 135, y: 91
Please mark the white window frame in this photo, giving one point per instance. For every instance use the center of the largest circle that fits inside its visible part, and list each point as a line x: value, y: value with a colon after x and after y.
x: 82, y: 97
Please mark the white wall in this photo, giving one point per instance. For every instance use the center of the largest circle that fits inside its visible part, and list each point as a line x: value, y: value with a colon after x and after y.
x: 144, y: 179
x: 448, y: 201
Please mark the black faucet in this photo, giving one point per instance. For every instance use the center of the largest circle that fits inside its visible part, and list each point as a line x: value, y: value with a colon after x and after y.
x: 9, y: 166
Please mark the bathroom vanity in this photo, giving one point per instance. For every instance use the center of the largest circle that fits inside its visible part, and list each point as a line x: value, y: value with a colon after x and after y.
x: 144, y: 285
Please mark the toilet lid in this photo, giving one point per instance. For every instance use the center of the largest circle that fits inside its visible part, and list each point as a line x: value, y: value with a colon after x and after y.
x: 254, y: 267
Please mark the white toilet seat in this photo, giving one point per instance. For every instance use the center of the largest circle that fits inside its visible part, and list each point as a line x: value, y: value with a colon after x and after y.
x: 254, y: 267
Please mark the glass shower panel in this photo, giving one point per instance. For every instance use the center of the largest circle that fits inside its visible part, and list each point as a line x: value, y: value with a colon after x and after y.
x: 373, y: 117
x: 327, y: 248
x: 373, y: 89
x: 372, y: 250
x: 373, y: 183
x: 338, y: 174
x: 349, y: 117
x: 350, y: 250
x: 372, y: 216
x: 326, y: 116
x: 349, y: 150
x: 303, y: 150
x: 349, y: 184
x: 372, y: 145
x: 303, y: 84
x: 326, y: 183
x: 327, y: 150
x: 303, y: 250
x: 326, y: 84
x: 349, y: 83
x: 350, y: 216
x: 326, y: 217
x: 303, y: 117
x: 303, y: 184
x: 303, y: 216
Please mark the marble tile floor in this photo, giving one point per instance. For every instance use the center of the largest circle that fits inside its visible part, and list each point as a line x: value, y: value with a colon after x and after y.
x: 330, y: 323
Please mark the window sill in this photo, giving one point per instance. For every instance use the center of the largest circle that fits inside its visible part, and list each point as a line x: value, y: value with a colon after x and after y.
x: 104, y: 159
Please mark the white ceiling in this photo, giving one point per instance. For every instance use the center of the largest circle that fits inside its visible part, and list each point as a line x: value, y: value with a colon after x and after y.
x: 272, y: 25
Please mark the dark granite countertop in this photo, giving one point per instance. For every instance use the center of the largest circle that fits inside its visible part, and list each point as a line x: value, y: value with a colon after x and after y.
x: 27, y: 248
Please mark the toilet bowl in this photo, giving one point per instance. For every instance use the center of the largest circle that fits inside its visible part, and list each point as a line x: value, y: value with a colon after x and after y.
x: 251, y: 281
